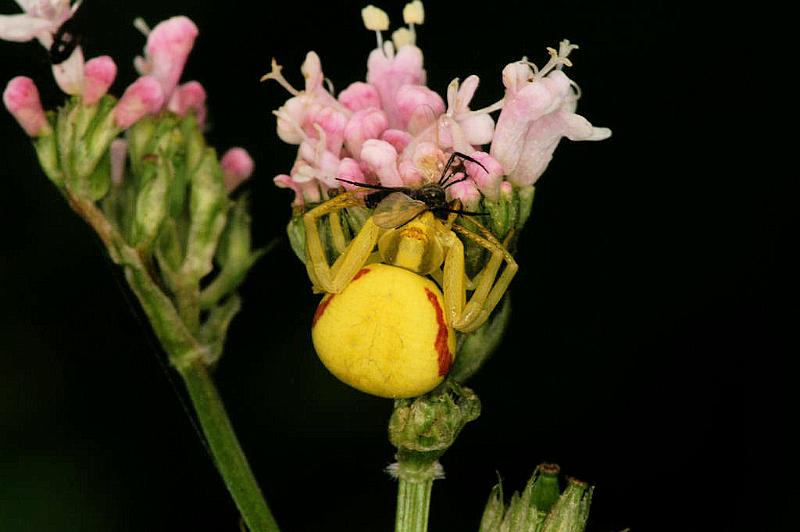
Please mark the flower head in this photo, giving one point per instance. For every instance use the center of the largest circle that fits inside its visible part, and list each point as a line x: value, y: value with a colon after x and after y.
x: 393, y: 130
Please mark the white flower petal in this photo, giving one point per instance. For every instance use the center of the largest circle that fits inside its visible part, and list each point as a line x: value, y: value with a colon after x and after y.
x: 69, y: 74
x: 22, y: 28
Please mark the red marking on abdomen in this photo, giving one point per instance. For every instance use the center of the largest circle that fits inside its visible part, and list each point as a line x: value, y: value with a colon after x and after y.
x: 445, y: 357
x: 321, y: 309
x: 361, y: 273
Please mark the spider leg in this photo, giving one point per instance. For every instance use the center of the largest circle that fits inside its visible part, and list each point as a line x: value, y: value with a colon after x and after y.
x: 333, y: 279
x: 466, y: 315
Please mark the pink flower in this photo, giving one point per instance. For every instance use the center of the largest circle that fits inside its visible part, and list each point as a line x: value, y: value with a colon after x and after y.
x: 363, y: 125
x: 98, y: 74
x: 21, y: 98
x: 142, y: 97
x: 381, y: 159
x: 350, y: 170
x: 167, y: 49
x: 487, y: 177
x: 360, y: 95
x: 537, y: 112
x: 237, y: 167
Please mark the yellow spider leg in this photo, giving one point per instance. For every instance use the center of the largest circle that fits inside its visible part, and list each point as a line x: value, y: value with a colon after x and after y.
x: 488, y: 291
x: 453, y: 283
x: 337, y: 233
x: 333, y: 279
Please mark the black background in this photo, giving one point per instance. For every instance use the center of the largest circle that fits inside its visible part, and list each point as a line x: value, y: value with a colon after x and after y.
x: 647, y: 349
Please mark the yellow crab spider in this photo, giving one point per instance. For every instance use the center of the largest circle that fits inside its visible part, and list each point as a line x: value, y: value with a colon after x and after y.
x: 384, y: 326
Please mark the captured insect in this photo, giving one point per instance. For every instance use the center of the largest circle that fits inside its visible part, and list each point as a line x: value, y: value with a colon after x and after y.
x: 387, y: 323
x: 65, y: 40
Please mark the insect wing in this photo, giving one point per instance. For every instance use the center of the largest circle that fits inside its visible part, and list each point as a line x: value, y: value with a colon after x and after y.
x: 397, y: 209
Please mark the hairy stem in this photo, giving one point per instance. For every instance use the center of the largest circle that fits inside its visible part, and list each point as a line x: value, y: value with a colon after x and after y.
x: 225, y: 449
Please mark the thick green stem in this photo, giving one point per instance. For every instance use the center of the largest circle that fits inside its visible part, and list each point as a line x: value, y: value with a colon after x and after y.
x: 413, y: 505
x: 228, y: 455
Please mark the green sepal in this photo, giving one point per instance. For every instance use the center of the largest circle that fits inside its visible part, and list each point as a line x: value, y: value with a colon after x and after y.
x: 525, y: 195
x: 151, y: 203
x: 195, y: 144
x: 215, y: 328
x: 139, y: 137
x: 499, y: 217
x: 94, y: 131
x: 99, y: 182
x: 492, y: 518
x: 476, y: 347
x: 296, y: 231
x: 64, y: 135
x: 169, y: 252
x: 208, y: 204
x: 235, y: 256
x: 47, y: 153
x: 571, y: 510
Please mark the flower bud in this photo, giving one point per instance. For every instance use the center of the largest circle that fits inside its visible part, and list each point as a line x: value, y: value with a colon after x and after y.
x: 99, y: 74
x: 142, y: 97
x: 363, y: 125
x: 167, y: 49
x: 21, y: 98
x: 237, y: 166
x: 190, y: 96
x: 487, y: 175
x: 410, y: 98
x: 350, y: 171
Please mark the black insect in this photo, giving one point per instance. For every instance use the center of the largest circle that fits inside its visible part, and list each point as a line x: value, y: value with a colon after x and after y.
x: 65, y: 40
x: 430, y: 196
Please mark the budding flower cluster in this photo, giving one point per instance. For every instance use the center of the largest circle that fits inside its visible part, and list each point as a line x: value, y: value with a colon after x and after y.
x: 139, y: 171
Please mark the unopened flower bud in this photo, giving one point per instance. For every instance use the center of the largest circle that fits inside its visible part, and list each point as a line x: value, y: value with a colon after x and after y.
x: 21, y: 98
x: 99, y: 74
x: 237, y: 166
x: 467, y: 192
x: 142, y: 97
x: 168, y: 47
x: 190, y: 96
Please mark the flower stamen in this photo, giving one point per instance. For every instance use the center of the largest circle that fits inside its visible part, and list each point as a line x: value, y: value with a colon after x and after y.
x: 375, y: 19
x: 275, y: 74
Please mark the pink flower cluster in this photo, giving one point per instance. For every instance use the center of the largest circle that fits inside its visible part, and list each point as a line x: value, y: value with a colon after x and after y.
x: 395, y: 131
x: 165, y: 54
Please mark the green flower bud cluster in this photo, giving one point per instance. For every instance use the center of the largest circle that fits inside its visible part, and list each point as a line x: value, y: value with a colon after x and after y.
x: 541, y: 507
x: 169, y: 221
x: 423, y: 428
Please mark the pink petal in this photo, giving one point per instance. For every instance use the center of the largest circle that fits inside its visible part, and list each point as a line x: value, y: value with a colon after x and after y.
x: 467, y: 192
x: 360, y: 95
x: 398, y: 138
x: 237, y: 167
x: 168, y: 47
x: 142, y: 97
x: 487, y: 179
x: 478, y: 129
x: 350, y: 170
x: 332, y: 122
x: 364, y: 124
x: 411, y: 98
x: 381, y: 159
x: 21, y: 98
x: 99, y: 74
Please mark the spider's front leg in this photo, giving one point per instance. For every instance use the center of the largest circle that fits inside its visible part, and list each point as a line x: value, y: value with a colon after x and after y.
x: 467, y: 315
x: 333, y: 279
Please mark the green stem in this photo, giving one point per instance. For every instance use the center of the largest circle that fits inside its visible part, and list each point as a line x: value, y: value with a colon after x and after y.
x: 413, y: 505
x: 228, y: 455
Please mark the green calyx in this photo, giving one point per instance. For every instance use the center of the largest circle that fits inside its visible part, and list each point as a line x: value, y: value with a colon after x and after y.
x: 423, y: 428
x: 541, y: 507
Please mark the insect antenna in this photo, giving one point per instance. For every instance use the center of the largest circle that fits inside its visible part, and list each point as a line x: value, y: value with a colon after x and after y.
x: 446, y: 176
x: 460, y: 211
x: 367, y: 185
